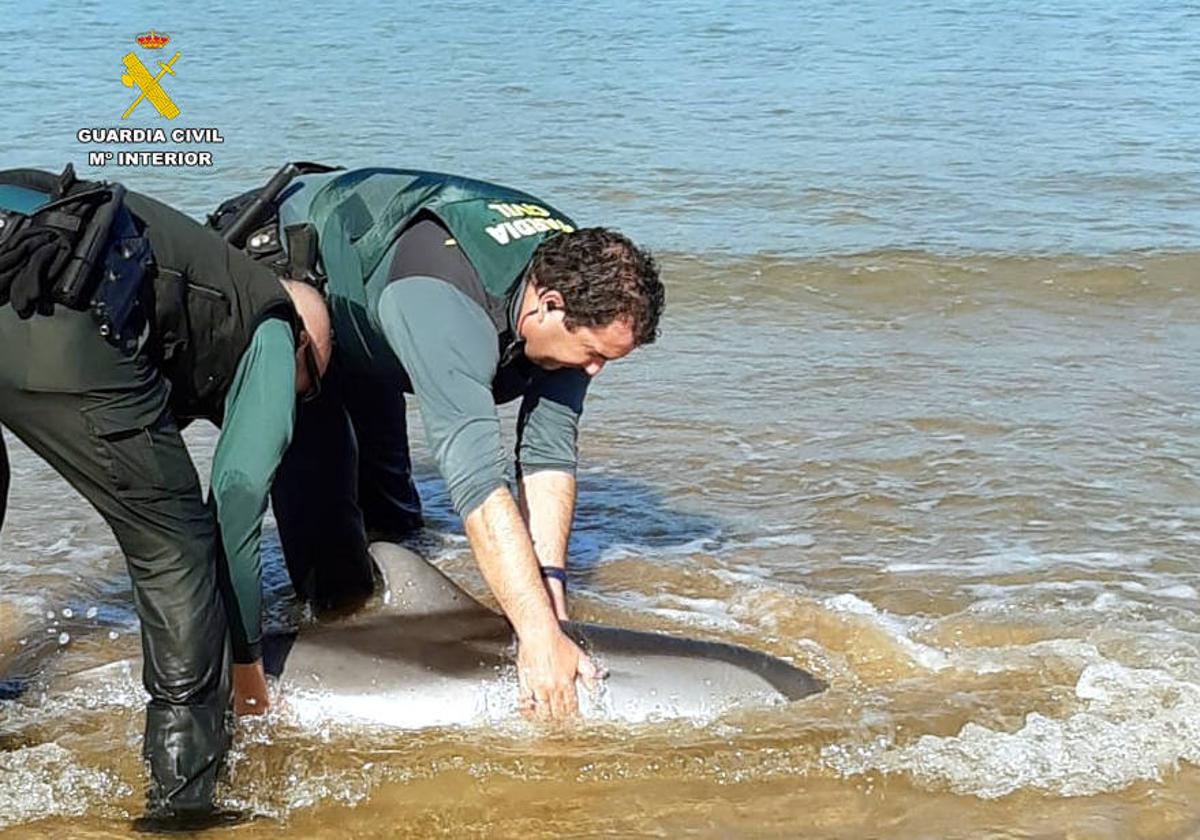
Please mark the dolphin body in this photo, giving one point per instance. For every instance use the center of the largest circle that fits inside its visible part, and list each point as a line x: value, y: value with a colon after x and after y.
x: 431, y: 655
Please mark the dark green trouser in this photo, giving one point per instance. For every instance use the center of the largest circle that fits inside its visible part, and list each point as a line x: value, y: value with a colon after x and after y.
x: 100, y: 418
x: 345, y: 480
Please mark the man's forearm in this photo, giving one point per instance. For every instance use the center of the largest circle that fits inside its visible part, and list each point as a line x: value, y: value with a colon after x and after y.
x: 258, y: 426
x: 548, y: 506
x: 502, y: 547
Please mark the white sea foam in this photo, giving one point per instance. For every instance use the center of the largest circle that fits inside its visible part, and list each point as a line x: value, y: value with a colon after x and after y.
x: 849, y: 603
x: 897, y: 628
x: 1025, y: 658
x: 1181, y: 591
x: 1017, y: 560
x: 112, y: 686
x: 1132, y: 725
x: 1084, y: 595
x: 796, y: 539
x: 46, y: 780
x: 622, y: 551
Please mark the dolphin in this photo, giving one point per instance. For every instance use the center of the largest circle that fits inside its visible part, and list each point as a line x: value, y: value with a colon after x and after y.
x: 430, y: 655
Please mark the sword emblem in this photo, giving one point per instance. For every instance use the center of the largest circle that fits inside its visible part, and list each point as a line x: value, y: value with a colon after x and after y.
x: 137, y: 74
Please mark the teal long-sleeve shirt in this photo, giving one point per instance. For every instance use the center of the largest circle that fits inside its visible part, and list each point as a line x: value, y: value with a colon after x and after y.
x: 259, y: 414
x: 448, y: 348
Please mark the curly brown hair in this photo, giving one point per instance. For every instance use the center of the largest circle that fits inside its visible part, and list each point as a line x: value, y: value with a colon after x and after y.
x: 602, y: 277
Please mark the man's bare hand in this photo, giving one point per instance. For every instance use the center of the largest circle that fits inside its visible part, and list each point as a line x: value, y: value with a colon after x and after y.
x: 546, y: 670
x: 250, y: 689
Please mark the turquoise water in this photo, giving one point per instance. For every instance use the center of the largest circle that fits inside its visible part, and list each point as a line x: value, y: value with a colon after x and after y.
x: 1000, y: 127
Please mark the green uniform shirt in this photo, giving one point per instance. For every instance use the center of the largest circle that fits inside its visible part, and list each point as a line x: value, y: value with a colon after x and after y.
x: 259, y: 412
x: 448, y: 349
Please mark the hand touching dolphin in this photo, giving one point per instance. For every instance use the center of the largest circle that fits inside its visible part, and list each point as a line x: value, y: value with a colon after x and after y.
x: 430, y: 656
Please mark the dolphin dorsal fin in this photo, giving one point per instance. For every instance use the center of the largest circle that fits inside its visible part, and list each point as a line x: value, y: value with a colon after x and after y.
x: 414, y: 586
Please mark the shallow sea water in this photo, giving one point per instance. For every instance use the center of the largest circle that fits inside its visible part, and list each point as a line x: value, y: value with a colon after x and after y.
x: 922, y: 418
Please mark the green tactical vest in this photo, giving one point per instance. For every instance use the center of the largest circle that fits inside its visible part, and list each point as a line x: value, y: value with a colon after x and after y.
x: 358, y: 215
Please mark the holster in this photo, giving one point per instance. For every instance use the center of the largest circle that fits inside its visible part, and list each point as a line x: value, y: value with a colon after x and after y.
x: 108, y: 257
x: 127, y: 263
x: 250, y: 221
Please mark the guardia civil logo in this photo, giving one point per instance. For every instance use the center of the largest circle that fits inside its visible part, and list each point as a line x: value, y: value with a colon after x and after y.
x: 192, y: 145
x: 149, y: 87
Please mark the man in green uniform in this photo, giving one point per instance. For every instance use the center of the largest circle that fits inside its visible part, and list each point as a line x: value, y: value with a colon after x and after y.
x: 465, y: 294
x: 100, y: 367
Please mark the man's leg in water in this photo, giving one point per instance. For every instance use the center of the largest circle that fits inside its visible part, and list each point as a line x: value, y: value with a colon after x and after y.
x: 386, y: 493
x: 315, y: 499
x: 100, y: 419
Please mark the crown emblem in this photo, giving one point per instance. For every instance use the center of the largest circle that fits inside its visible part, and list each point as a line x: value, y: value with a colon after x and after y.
x: 152, y: 40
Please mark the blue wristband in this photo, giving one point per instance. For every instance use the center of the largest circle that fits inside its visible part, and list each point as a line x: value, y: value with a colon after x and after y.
x: 558, y: 574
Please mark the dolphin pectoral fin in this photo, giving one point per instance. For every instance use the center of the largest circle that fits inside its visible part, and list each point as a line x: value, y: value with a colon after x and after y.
x: 413, y: 586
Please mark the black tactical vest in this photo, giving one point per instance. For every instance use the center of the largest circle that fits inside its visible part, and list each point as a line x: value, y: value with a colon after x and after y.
x: 207, y: 299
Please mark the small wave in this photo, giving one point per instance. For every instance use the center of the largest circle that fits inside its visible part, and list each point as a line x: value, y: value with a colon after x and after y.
x: 47, y: 780
x: 794, y: 539
x: 276, y: 783
x: 1110, y: 596
x: 1021, y: 560
x: 113, y: 686
x: 904, y: 281
x: 893, y: 627
x: 1134, y: 725
x: 622, y: 551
